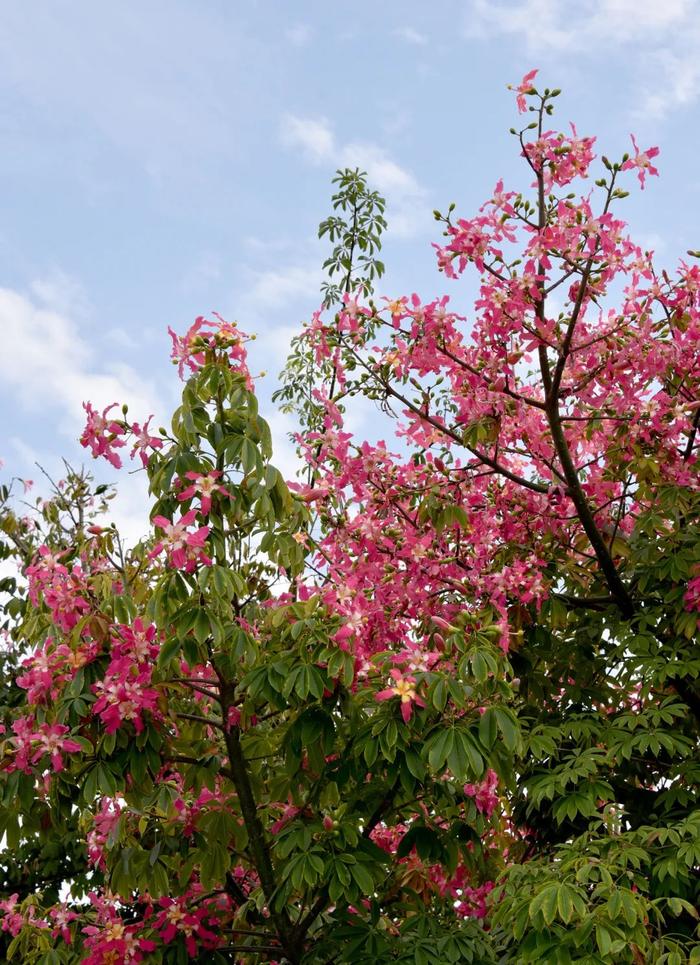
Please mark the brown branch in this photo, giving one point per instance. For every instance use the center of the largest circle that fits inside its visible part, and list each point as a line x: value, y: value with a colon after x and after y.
x: 691, y: 438
x: 196, y: 762
x: 452, y: 434
x: 257, y: 842
x: 209, y: 721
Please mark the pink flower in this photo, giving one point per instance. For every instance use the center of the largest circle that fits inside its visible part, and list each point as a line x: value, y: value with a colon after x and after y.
x: 405, y: 689
x: 523, y: 88
x: 143, y: 440
x: 124, y: 694
x: 642, y: 162
x: 184, y: 548
x: 189, y: 350
x: 12, y: 920
x: 51, y: 740
x: 692, y: 593
x: 101, y: 434
x: 62, y: 916
x: 33, y: 742
x: 289, y: 812
x: 176, y: 918
x: 484, y: 794
x: 203, y: 485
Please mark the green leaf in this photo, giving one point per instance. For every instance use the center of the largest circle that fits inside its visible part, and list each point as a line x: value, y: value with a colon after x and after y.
x: 363, y: 878
x: 440, y: 748
x: 545, y: 903
x: 508, y: 727
x: 168, y: 651
x: 488, y: 728
x: 202, y: 626
x: 249, y: 455
x: 565, y: 904
x: 603, y: 940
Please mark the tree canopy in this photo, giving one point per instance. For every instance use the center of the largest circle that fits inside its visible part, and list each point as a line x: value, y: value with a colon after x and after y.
x: 435, y: 700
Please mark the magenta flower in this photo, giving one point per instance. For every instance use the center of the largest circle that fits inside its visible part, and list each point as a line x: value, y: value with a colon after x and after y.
x: 34, y: 741
x: 101, y: 434
x: 143, y: 441
x: 124, y: 694
x: 641, y: 160
x: 523, y: 88
x: 405, y: 689
x: 62, y: 916
x: 484, y: 793
x: 184, y: 548
x: 189, y: 350
x: 692, y: 593
x: 203, y: 485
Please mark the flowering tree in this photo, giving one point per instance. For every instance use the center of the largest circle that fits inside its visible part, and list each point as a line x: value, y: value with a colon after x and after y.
x: 545, y: 488
x: 431, y: 705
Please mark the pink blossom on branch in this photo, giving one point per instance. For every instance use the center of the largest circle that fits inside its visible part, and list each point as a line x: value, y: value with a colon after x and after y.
x: 522, y: 89
x: 124, y: 695
x: 189, y: 350
x: 102, y: 434
x: 405, y: 689
x: 203, y: 485
x: 484, y: 793
x: 33, y: 741
x: 184, y: 548
x: 143, y: 441
x: 641, y: 161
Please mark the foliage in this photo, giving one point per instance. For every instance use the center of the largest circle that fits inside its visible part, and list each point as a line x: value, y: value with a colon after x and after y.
x: 355, y: 229
x: 434, y: 705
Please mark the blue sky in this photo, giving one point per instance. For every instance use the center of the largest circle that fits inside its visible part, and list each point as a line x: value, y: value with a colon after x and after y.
x: 161, y: 159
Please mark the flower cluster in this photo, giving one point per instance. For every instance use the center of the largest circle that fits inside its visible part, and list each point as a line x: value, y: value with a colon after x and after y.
x: 184, y: 548
x: 33, y: 742
x: 125, y: 692
x: 484, y: 793
x: 190, y: 350
x: 103, y: 434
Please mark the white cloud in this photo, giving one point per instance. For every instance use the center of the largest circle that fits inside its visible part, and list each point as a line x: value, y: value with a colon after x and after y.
x: 536, y: 21
x: 635, y: 16
x: 676, y: 80
x: 120, y: 337
x: 411, y: 36
x: 284, y: 456
x: 314, y: 137
x: 28, y: 454
x: 277, y: 287
x: 663, y: 37
x: 47, y: 365
x: 563, y: 24
x: 62, y: 292
x: 406, y: 198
